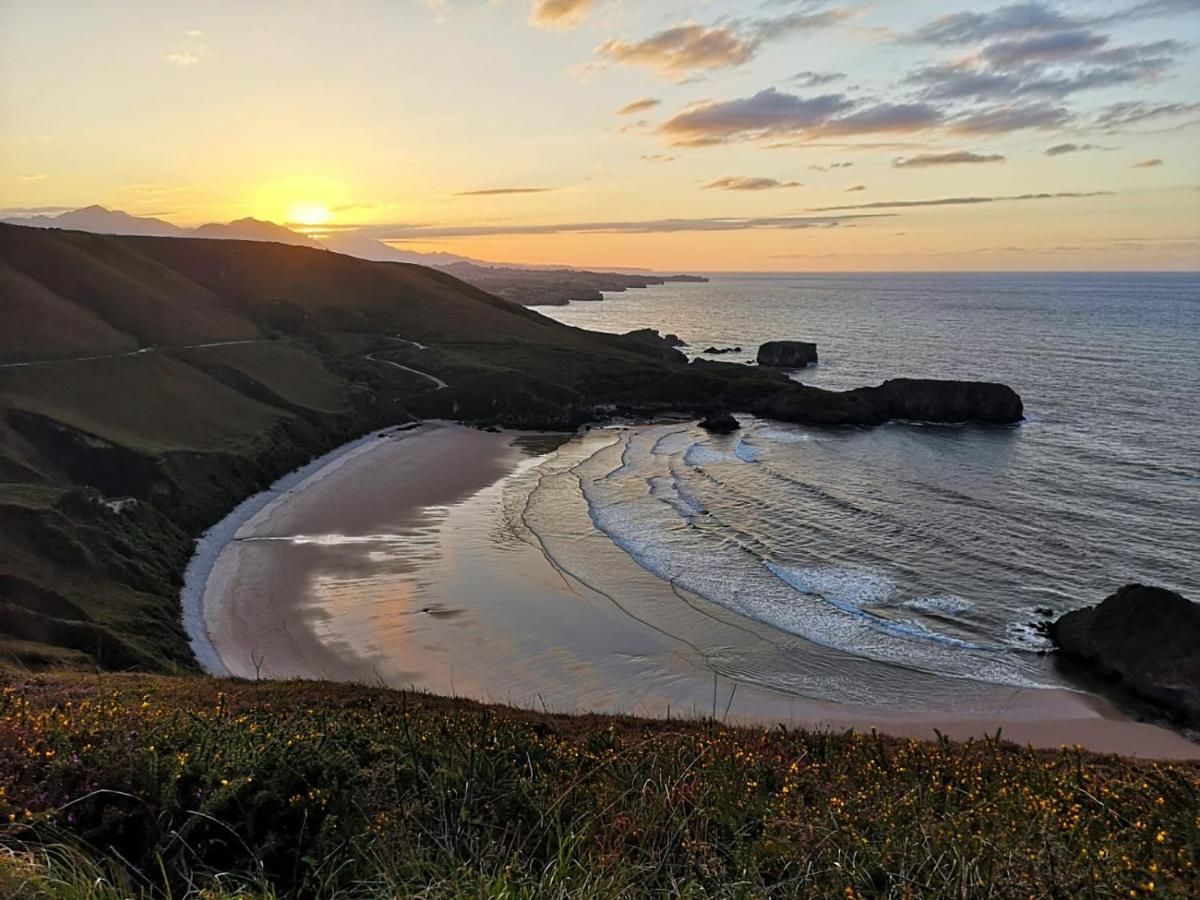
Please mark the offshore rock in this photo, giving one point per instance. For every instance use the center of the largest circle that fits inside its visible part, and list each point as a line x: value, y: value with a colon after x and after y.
x: 1147, y: 638
x: 720, y: 423
x: 787, y: 354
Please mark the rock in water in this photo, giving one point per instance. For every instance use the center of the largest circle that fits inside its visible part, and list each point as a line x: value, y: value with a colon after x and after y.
x: 787, y: 354
x: 1147, y: 637
x: 720, y: 423
x: 929, y: 400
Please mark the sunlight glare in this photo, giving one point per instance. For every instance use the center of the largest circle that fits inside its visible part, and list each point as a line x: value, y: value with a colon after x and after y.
x: 306, y: 213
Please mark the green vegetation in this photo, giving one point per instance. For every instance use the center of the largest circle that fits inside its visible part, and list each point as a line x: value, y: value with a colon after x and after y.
x: 121, y: 786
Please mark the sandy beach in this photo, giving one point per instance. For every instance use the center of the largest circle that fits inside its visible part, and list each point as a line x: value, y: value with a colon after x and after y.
x: 402, y: 559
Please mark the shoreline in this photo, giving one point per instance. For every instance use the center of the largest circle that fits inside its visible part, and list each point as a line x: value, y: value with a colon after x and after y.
x: 209, y: 546
x: 329, y: 574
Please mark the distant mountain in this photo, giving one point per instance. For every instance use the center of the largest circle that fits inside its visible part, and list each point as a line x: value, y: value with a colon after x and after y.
x: 102, y: 221
x: 528, y: 285
x: 354, y: 243
x: 250, y: 229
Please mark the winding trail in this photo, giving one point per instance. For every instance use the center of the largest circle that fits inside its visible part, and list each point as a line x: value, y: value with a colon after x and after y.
x: 141, y: 351
x: 438, y: 384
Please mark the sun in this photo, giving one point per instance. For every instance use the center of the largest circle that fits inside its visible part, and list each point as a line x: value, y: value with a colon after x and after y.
x: 307, y: 213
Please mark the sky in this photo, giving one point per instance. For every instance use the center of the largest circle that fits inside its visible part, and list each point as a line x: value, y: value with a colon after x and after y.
x: 689, y: 135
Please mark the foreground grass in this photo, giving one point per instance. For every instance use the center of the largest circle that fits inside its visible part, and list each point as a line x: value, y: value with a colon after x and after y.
x: 122, y: 786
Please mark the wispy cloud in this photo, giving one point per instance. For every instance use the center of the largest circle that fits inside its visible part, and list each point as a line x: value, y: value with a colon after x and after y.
x: 559, y: 15
x: 810, y: 79
x: 638, y: 106
x: 1133, y: 112
x: 1148, y: 164
x: 411, y: 232
x: 1012, y: 117
x: 775, y: 114
x: 928, y: 160
x: 1062, y: 149
x: 962, y: 201
x: 854, y: 189
x: 495, y: 192
x: 659, y: 157
x: 683, y: 49
x: 748, y: 183
x: 38, y: 176
x: 188, y: 51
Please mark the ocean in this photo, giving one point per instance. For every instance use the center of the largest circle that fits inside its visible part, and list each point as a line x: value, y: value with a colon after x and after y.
x: 922, y: 548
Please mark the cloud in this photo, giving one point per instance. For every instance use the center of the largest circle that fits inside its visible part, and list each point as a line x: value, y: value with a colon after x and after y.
x: 1148, y: 164
x: 638, y: 106
x: 810, y: 79
x: 494, y: 192
x: 195, y: 33
x: 1132, y: 112
x: 884, y: 117
x: 659, y: 157
x: 774, y: 114
x: 183, y: 58
x: 961, y: 201
x: 747, y: 183
x: 1031, y: 17
x: 767, y: 113
x: 681, y: 50
x: 35, y: 177
x: 1040, y: 48
x: 559, y: 15
x: 1026, y: 69
x: 1002, y: 119
x: 856, y: 188
x: 972, y: 27
x: 415, y: 232
x: 927, y: 160
x: 1060, y: 149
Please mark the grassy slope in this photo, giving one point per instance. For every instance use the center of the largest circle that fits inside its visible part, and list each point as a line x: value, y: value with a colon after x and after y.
x: 316, y: 789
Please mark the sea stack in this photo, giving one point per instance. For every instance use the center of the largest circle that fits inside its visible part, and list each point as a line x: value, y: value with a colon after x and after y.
x: 1147, y: 638
x: 787, y: 354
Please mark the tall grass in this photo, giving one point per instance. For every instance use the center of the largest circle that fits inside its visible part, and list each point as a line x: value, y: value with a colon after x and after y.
x: 161, y: 787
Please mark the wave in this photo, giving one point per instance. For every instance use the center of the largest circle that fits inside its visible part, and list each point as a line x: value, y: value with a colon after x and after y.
x: 642, y: 492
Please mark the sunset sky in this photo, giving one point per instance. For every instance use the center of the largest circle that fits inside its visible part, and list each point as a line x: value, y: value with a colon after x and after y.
x: 681, y: 135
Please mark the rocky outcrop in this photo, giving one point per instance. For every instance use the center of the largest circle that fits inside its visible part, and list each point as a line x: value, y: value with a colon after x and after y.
x: 720, y: 423
x: 717, y: 351
x: 787, y: 354
x: 929, y: 400
x: 650, y: 342
x: 1147, y: 638
x: 938, y: 402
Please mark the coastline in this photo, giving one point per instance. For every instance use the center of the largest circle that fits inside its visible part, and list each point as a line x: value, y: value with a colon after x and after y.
x: 330, y: 572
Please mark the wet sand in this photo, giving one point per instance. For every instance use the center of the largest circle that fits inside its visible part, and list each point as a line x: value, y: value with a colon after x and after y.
x: 402, y: 560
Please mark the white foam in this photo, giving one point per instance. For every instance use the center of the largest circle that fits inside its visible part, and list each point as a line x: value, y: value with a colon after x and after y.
x: 950, y: 604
